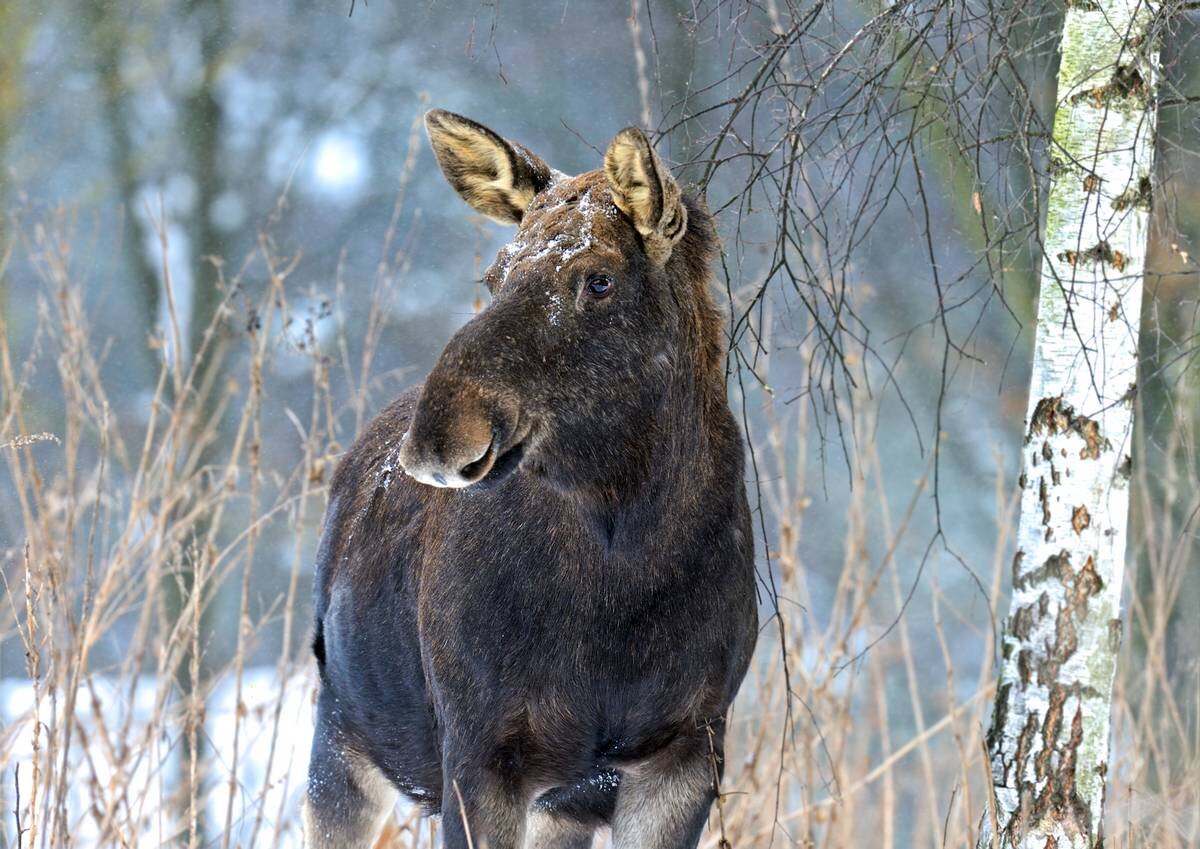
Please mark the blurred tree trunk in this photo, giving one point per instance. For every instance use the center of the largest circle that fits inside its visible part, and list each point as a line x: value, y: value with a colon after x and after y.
x: 1050, y: 727
x: 203, y: 133
x: 16, y: 25
x: 109, y: 31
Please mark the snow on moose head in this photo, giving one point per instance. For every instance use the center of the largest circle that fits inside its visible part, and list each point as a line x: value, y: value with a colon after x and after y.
x: 599, y: 305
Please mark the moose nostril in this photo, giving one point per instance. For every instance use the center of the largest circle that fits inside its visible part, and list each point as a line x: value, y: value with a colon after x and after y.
x: 479, y: 466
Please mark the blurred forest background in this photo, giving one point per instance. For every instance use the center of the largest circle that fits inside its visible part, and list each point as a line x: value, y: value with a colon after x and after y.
x: 225, y: 244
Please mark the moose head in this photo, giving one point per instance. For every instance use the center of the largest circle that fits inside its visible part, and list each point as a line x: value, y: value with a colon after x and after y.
x: 599, y: 306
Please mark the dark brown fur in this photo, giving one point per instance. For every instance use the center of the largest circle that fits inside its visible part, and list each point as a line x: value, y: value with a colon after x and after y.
x: 546, y: 650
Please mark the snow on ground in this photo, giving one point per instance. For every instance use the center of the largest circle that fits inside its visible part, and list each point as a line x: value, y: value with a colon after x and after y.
x: 122, y: 761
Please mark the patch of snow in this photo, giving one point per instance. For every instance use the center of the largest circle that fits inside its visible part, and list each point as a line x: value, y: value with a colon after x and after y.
x: 562, y: 247
x: 524, y: 154
x: 604, y: 780
x: 151, y: 771
x: 387, y: 470
x: 554, y: 308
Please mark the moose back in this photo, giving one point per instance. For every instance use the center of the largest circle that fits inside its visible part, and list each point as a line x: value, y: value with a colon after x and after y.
x: 534, y: 594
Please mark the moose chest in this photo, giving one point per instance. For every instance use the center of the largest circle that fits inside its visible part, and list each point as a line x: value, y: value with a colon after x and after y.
x: 533, y: 621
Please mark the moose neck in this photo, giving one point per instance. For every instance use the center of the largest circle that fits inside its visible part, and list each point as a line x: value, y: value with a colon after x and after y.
x: 668, y: 461
x: 691, y: 433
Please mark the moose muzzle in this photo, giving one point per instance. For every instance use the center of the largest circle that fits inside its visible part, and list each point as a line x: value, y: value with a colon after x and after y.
x: 456, y: 436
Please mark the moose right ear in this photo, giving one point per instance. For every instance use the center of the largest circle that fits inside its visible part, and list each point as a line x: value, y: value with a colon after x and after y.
x: 495, y: 176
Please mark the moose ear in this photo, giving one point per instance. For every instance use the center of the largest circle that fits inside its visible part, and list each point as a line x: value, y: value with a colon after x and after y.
x: 645, y: 191
x: 495, y: 176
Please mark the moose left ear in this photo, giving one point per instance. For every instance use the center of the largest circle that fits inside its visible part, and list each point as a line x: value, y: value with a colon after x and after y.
x: 645, y: 191
x: 495, y: 176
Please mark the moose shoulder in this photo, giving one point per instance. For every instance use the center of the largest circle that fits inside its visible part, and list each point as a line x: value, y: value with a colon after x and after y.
x: 534, y: 594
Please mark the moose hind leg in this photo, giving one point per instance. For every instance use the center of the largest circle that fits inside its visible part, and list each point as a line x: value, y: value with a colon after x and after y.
x: 348, y: 800
x: 664, y: 802
x: 545, y: 830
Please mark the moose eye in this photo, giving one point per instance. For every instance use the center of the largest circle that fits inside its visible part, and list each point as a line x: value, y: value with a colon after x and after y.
x: 599, y: 285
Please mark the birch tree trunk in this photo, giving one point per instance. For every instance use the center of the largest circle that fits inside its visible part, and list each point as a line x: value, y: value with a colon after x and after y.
x: 1050, y: 727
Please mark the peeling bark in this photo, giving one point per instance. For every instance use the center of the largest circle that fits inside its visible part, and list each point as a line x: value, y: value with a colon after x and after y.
x: 1050, y: 725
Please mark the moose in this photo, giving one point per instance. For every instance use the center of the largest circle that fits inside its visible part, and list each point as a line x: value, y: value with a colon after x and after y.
x: 535, y: 592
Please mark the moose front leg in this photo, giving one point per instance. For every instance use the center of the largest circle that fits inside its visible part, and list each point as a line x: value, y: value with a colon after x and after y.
x: 664, y: 801
x: 481, y: 810
x: 348, y: 800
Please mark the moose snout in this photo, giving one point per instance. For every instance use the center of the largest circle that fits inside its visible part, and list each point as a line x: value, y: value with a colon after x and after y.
x: 455, y: 436
x: 455, y: 459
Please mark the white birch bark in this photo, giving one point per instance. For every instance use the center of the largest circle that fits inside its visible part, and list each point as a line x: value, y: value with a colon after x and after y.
x: 1050, y: 727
